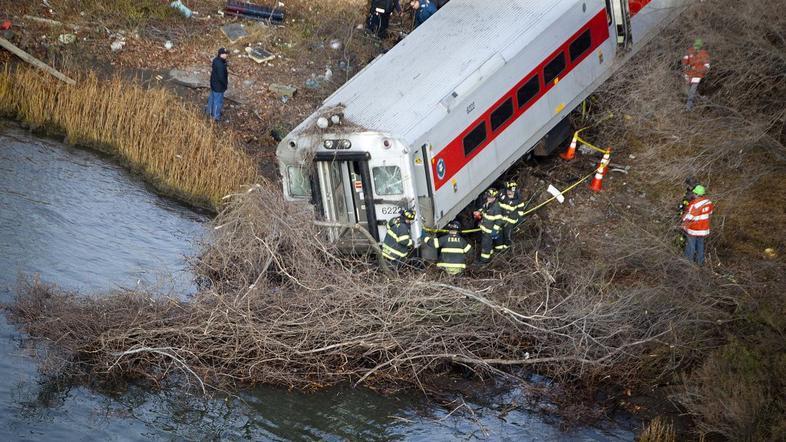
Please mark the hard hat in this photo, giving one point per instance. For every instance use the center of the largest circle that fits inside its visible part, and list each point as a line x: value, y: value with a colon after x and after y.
x: 511, y: 185
x: 408, y: 214
x: 454, y: 225
x: 699, y: 190
x: 491, y: 193
x: 698, y: 44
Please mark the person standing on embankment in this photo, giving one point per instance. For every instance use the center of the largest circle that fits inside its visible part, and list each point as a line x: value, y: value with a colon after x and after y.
x: 696, y: 224
x: 219, y: 82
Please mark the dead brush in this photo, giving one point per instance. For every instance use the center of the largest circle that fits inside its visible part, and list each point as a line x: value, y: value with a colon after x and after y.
x: 282, y: 307
x: 180, y: 152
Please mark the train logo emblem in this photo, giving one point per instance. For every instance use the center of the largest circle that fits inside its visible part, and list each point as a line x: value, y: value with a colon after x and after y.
x: 441, y: 168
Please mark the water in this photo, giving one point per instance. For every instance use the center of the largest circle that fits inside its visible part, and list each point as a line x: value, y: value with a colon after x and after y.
x: 79, y: 221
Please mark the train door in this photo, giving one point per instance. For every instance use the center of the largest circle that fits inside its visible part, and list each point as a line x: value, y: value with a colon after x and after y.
x: 345, y: 196
x: 393, y: 190
x: 619, y: 15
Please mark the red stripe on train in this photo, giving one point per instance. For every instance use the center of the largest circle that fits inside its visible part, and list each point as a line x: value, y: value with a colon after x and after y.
x: 452, y: 156
x: 637, y: 5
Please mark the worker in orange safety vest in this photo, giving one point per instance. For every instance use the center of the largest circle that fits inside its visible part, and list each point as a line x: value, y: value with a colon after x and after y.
x: 696, y: 224
x: 695, y: 65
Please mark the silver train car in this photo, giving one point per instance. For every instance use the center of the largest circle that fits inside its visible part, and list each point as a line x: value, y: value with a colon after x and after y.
x: 436, y: 120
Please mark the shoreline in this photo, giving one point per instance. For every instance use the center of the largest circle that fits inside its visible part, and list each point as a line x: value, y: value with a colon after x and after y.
x: 179, y: 153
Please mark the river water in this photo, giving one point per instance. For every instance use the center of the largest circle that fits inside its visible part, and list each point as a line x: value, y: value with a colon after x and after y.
x: 77, y: 220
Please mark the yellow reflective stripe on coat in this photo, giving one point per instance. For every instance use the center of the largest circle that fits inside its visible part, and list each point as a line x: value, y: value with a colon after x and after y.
x: 387, y: 248
x: 452, y: 250
x: 451, y: 266
x: 392, y: 234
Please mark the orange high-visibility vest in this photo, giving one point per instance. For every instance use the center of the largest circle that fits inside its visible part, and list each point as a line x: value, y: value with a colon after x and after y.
x: 696, y: 63
x: 696, y: 219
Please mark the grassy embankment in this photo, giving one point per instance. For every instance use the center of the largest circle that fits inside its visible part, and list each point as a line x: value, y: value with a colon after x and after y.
x: 180, y: 152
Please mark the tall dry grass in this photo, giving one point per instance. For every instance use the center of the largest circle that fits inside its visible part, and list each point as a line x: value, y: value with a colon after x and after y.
x: 177, y: 150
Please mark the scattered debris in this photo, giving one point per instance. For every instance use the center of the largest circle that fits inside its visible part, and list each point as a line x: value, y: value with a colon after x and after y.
x: 234, y: 32
x: 312, y: 83
x: 49, y: 22
x: 168, y: 45
x: 770, y: 252
x: 117, y: 45
x: 259, y: 55
x: 34, y: 61
x: 336, y: 44
x: 190, y: 78
x: 66, y: 39
x: 6, y: 25
x: 283, y: 90
x: 625, y: 170
x: 254, y: 12
x: 183, y: 9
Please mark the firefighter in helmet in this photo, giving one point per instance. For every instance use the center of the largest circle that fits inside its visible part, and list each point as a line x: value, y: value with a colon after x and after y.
x: 512, y: 211
x: 453, y: 249
x: 491, y: 222
x: 695, y: 65
x: 398, y: 243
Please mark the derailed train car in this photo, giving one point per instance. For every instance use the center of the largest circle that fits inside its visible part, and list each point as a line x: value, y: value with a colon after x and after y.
x: 436, y: 120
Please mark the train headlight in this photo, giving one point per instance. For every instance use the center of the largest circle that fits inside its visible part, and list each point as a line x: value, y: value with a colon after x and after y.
x: 322, y: 123
x: 345, y: 144
x: 329, y: 144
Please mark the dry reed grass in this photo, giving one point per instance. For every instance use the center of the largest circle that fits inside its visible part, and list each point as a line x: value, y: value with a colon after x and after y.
x: 179, y: 151
x: 658, y: 431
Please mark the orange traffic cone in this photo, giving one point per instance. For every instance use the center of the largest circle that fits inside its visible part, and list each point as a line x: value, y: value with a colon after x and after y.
x: 597, y: 181
x: 571, y: 152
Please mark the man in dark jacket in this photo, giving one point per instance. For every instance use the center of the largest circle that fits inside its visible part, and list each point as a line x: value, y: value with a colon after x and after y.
x: 423, y: 10
x: 453, y: 249
x: 491, y: 222
x: 398, y: 243
x: 379, y: 16
x: 219, y: 82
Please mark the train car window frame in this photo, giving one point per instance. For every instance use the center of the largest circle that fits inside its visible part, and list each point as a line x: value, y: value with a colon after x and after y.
x: 549, y: 71
x: 502, y: 114
x: 297, y: 182
x: 475, y: 138
x: 524, y: 95
x: 580, y: 45
x: 387, y: 180
x: 608, y: 12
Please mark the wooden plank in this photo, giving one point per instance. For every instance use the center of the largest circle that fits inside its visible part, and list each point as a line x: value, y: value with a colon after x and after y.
x: 34, y: 61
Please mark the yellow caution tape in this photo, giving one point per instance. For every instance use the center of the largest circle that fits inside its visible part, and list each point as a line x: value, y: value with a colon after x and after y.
x: 539, y: 206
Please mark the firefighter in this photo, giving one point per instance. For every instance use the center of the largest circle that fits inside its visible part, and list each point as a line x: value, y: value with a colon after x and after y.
x: 398, y: 242
x: 695, y: 65
x: 491, y: 222
x: 696, y: 224
x: 379, y: 16
x: 690, y: 184
x: 512, y: 211
x: 423, y: 10
x: 453, y: 249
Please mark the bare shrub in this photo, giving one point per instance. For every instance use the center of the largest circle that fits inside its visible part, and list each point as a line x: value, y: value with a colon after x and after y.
x: 283, y: 308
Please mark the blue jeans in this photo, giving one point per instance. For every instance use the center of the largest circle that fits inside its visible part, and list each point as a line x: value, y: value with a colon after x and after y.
x: 215, y: 103
x: 694, y: 249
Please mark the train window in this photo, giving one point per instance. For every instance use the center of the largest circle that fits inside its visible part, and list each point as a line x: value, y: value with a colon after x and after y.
x: 475, y: 138
x: 502, y: 114
x: 529, y: 91
x: 554, y: 68
x: 297, y: 182
x: 580, y: 45
x: 608, y: 12
x: 387, y: 180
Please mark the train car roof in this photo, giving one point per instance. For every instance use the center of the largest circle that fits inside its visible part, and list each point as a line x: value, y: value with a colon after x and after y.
x: 462, y: 43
